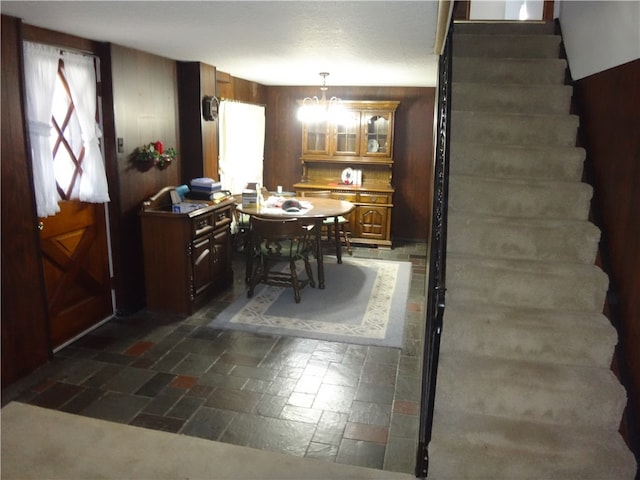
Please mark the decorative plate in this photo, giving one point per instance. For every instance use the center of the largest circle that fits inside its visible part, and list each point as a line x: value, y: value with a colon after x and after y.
x: 373, y: 145
x: 348, y: 176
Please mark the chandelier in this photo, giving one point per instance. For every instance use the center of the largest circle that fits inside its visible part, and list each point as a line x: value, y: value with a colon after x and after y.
x: 320, y: 109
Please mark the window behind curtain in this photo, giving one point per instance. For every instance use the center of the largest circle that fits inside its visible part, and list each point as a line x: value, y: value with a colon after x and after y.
x: 62, y: 101
x: 66, y: 139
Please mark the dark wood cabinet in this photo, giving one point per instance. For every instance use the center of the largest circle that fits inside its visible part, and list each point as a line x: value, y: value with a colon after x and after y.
x: 359, y: 139
x: 187, y: 256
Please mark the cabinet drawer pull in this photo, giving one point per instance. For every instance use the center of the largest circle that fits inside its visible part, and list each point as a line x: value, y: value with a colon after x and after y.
x: 203, y: 255
x: 205, y: 228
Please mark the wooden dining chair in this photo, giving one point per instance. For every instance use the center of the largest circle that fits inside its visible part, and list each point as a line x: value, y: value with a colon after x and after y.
x: 329, y: 224
x: 278, y: 241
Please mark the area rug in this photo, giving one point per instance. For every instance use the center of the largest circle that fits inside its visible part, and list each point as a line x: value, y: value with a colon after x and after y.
x: 364, y: 302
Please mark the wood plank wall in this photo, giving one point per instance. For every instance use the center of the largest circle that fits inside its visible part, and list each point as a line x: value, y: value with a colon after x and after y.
x: 145, y: 101
x: 198, y: 136
x: 234, y: 88
x: 609, y: 105
x: 25, y: 338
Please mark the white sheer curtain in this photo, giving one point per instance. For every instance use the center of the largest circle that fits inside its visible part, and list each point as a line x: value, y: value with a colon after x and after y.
x: 40, y: 68
x: 81, y: 77
x: 241, y: 128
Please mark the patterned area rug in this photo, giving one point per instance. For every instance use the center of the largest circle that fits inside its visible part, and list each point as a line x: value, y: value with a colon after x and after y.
x: 364, y: 302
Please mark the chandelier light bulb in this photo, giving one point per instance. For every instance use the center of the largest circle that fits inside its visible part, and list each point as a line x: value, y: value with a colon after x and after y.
x: 314, y: 109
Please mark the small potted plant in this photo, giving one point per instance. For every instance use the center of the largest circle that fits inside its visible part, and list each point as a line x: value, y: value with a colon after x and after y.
x: 153, y: 154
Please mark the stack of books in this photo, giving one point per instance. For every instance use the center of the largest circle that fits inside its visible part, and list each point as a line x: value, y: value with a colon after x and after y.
x: 204, y: 188
x: 205, y: 185
x: 250, y: 197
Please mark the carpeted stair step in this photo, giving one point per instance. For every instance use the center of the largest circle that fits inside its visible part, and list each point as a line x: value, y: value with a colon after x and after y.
x: 519, y: 198
x: 505, y: 28
x: 512, y: 161
x: 481, y: 447
x: 524, y: 386
x: 514, y: 129
x: 570, y: 241
x: 507, y: 46
x: 511, y: 98
x: 567, y: 395
x: 568, y: 338
x: 522, y: 283
x: 530, y: 71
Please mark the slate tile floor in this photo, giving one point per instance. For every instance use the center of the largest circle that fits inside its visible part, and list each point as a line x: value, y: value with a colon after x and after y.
x: 337, y: 402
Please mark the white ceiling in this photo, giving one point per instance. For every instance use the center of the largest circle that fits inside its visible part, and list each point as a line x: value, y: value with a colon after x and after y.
x: 362, y: 43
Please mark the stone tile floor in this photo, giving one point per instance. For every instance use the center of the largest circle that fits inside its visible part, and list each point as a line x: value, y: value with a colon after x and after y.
x: 338, y: 402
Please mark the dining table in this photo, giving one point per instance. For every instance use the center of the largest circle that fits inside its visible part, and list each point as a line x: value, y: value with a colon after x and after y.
x: 314, y: 212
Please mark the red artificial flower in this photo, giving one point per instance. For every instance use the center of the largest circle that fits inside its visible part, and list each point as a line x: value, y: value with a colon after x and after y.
x: 159, y: 147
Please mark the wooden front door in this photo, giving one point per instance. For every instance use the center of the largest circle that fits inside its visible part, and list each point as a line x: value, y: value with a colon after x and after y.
x: 76, y: 269
x: 75, y: 253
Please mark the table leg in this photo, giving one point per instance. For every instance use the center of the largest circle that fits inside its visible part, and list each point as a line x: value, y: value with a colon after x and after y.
x: 337, y: 239
x: 318, y: 229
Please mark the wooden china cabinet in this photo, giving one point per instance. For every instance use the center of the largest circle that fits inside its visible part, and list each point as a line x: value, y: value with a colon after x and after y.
x: 352, y: 155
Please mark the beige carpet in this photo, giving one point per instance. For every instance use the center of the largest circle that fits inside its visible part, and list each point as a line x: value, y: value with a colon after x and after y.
x: 39, y: 443
x: 524, y: 387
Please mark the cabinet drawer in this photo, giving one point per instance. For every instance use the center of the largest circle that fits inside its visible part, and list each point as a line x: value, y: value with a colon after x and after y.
x: 223, y: 216
x: 346, y: 196
x: 375, y: 198
x: 202, y: 224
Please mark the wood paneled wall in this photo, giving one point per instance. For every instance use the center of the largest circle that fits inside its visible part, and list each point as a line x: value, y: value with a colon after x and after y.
x: 25, y: 338
x: 145, y: 101
x: 233, y: 88
x: 413, y: 147
x: 609, y: 106
x: 198, y: 137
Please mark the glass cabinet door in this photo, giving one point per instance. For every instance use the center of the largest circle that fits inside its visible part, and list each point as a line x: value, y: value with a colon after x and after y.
x: 347, y: 134
x: 377, y: 141
x: 315, y: 137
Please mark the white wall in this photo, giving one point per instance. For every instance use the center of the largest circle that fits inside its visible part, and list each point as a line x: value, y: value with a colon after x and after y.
x: 505, y: 9
x: 486, y: 10
x: 599, y: 35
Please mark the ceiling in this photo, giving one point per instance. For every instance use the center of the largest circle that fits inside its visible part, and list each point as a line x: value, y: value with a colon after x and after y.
x: 361, y: 43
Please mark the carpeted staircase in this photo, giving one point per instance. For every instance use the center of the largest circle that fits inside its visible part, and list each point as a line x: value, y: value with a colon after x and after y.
x: 524, y: 387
